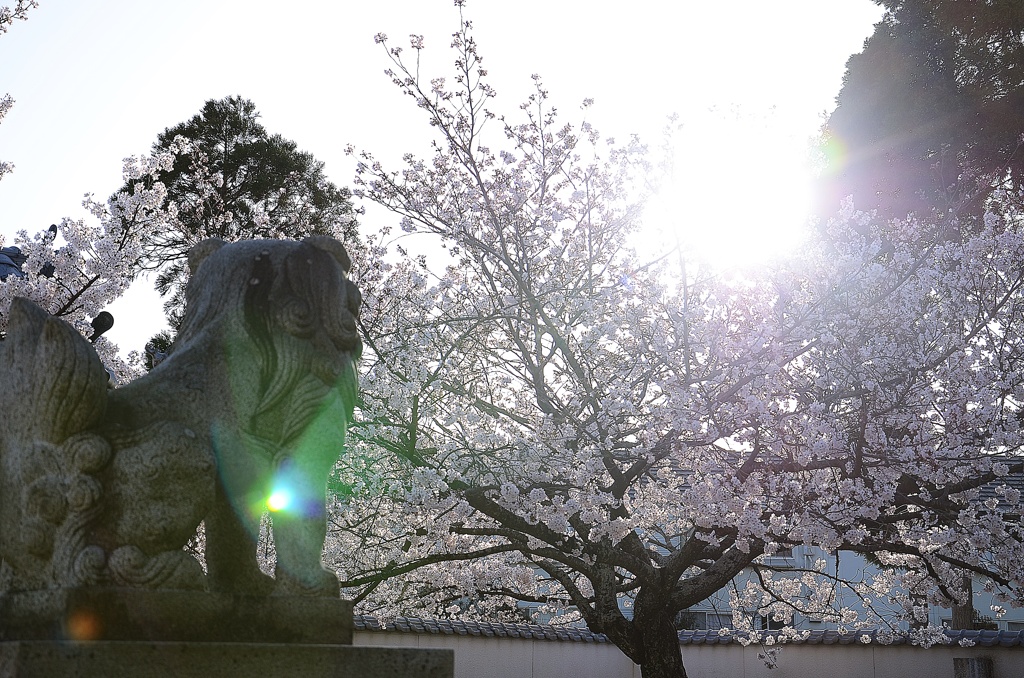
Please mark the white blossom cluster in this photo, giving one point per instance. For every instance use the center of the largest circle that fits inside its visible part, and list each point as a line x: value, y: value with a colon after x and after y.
x: 78, y: 268
x: 5, y: 105
x: 7, y: 17
x: 550, y: 421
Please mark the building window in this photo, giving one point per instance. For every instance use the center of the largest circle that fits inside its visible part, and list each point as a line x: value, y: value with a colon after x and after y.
x: 691, y: 620
x: 769, y: 624
x: 719, y: 621
x: 783, y: 553
x: 699, y: 620
x: 981, y: 623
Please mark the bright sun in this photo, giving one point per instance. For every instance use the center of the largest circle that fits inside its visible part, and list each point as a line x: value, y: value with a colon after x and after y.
x: 739, y: 193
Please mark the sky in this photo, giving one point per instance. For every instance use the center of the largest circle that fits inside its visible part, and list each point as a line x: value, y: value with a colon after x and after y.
x: 751, y: 82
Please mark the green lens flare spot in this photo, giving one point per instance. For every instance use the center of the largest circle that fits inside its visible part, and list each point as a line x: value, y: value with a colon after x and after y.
x: 279, y: 500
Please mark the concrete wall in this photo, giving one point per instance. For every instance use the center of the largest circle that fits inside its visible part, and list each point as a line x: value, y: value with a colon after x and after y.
x: 842, y: 661
x: 481, y: 657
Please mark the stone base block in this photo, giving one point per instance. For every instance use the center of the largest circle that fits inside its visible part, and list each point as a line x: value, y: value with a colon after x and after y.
x: 93, y: 614
x: 106, y: 659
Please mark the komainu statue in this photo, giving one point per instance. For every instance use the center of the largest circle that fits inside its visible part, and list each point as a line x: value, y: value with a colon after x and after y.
x: 102, y: 487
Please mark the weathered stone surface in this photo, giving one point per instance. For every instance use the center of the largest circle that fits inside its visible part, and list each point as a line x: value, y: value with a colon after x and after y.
x: 102, y: 614
x: 42, y: 659
x: 103, y: 488
x: 100, y: 490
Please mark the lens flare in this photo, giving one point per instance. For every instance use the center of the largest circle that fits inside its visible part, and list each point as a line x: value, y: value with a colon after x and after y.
x: 834, y: 155
x: 83, y: 625
x: 279, y: 500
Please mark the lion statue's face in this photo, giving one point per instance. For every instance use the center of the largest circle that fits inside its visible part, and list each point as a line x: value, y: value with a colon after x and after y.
x: 288, y: 305
x: 300, y: 287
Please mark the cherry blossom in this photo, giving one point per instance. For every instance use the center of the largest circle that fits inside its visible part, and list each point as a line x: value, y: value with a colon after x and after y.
x: 20, y: 11
x: 78, y: 267
x: 7, y: 18
x: 550, y: 421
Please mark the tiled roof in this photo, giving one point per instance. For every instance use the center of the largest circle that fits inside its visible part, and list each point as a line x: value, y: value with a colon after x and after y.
x: 11, y: 260
x: 455, y: 627
x: 458, y: 627
x: 832, y: 637
x: 1012, y: 480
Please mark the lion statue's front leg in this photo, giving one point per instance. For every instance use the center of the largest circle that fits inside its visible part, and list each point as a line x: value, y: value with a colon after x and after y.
x: 291, y: 483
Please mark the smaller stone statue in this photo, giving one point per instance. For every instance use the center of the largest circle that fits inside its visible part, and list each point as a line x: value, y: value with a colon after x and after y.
x: 104, y: 488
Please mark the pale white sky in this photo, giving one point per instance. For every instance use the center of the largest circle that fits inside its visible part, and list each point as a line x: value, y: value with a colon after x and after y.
x: 96, y: 81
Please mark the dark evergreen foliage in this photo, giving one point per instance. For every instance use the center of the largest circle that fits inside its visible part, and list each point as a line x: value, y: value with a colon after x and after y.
x: 930, y: 115
x: 239, y: 182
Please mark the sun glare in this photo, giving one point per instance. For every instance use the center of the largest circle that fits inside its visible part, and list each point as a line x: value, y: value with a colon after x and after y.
x: 739, y: 193
x: 279, y: 500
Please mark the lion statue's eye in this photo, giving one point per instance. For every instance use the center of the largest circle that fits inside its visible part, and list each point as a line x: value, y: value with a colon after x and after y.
x: 296, y: 317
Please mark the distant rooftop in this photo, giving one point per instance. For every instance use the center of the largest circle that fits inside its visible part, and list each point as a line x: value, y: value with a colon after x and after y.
x: 11, y: 260
x: 457, y: 627
x: 454, y: 627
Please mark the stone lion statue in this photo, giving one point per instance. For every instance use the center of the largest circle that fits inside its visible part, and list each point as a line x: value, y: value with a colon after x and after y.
x: 253, y: 402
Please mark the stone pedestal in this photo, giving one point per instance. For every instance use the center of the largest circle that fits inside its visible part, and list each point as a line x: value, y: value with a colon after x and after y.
x: 145, y: 659
x: 113, y: 614
x: 115, y: 633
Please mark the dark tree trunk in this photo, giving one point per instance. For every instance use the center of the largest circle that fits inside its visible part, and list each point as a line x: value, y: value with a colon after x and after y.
x: 963, y: 615
x: 658, y: 638
x: 651, y: 641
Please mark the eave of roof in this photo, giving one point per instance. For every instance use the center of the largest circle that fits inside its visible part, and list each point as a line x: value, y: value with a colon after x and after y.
x: 456, y: 627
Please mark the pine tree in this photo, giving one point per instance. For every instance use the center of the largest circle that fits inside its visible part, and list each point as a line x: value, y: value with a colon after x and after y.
x: 233, y: 180
x: 930, y: 113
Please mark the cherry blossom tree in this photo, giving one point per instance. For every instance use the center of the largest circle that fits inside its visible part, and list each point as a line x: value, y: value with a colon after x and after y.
x: 237, y: 181
x: 7, y: 17
x: 78, y: 267
x: 20, y: 12
x: 550, y: 417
